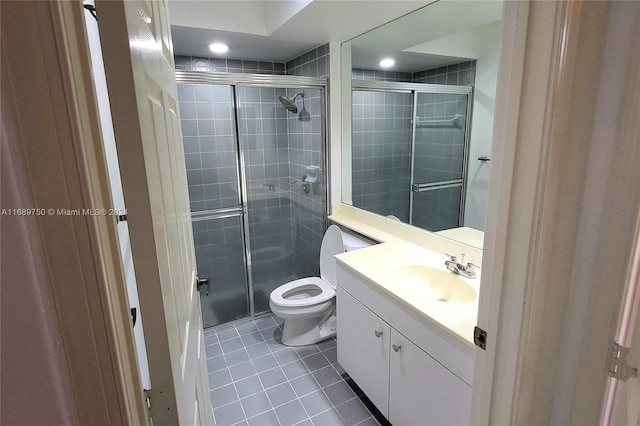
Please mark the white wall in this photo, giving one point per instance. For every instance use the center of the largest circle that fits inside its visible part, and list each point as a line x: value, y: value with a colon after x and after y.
x: 239, y: 16
x: 483, y: 44
x: 36, y: 387
x: 336, y: 122
x: 488, y: 41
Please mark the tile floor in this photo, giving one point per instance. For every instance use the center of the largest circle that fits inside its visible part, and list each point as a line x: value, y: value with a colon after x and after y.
x: 255, y: 380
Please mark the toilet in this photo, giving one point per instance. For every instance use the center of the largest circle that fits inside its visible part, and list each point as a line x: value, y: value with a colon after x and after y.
x: 308, y: 305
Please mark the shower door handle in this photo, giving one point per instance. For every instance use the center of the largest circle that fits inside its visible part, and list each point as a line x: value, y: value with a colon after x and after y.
x: 203, y: 282
x: 432, y: 186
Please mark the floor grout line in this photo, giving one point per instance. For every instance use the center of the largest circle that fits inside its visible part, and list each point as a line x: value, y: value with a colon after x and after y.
x: 270, y: 332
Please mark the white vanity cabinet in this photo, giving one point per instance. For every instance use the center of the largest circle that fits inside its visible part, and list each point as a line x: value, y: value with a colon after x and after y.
x: 388, y: 353
x: 421, y: 390
x: 363, y: 349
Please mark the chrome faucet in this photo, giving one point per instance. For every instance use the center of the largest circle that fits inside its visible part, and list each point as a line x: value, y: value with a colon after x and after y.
x: 468, y: 270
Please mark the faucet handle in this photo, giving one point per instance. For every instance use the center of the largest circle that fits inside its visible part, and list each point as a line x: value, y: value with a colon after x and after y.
x: 452, y: 258
x: 471, y: 266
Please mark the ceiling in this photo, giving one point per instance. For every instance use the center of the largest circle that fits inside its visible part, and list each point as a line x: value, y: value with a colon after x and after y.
x: 443, y: 33
x: 276, y: 30
x: 193, y: 42
x: 368, y: 59
x: 418, y: 34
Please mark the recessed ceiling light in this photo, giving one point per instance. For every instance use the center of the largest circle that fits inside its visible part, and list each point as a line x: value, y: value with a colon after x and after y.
x: 387, y: 63
x: 218, y: 48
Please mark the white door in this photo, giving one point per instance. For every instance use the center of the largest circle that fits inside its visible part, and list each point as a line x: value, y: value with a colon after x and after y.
x: 138, y: 60
x: 117, y: 197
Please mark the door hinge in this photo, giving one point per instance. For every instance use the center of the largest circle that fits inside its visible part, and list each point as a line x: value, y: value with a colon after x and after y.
x: 92, y: 10
x: 480, y: 338
x: 618, y: 364
x: 147, y: 401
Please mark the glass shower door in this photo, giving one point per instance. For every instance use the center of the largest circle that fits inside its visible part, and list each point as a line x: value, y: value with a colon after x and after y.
x: 211, y: 154
x: 439, y: 160
x: 282, y: 151
x: 381, y: 151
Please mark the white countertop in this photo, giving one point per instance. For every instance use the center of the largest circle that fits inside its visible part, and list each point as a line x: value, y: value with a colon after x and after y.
x: 465, y: 235
x: 381, y: 229
x: 378, y: 265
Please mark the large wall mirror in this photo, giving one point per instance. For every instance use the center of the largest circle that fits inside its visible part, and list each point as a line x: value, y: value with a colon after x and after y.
x: 421, y: 103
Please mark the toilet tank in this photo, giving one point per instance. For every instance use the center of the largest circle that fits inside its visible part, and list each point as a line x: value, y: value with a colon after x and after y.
x: 353, y: 242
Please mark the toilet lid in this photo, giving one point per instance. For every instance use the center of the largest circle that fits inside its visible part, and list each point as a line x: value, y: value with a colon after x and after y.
x: 332, y: 244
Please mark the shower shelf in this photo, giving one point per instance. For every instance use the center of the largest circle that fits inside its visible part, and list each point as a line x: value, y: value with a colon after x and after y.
x: 456, y: 121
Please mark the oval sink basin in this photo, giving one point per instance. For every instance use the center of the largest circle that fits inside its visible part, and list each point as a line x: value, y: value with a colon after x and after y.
x: 434, y: 284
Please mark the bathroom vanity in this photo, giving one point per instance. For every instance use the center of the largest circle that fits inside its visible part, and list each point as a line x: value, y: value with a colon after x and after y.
x: 406, y: 332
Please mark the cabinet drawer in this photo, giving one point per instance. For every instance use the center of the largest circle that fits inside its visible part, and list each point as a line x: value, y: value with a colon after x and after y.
x: 363, y: 348
x: 421, y: 390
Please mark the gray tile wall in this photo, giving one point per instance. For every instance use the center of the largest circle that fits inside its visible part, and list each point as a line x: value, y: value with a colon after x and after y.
x: 438, y: 156
x: 461, y: 74
x: 220, y: 256
x: 439, y: 150
x: 381, y: 171
x: 309, y: 207
x: 381, y: 152
x: 437, y: 210
x: 195, y: 63
x: 285, y: 224
x: 314, y: 63
x: 306, y: 148
x: 208, y: 128
x: 265, y: 142
x: 362, y: 74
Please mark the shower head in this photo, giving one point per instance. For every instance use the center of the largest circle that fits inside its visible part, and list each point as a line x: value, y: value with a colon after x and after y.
x: 289, y: 103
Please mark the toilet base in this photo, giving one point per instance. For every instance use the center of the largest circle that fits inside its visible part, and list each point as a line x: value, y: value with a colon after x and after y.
x: 307, y: 331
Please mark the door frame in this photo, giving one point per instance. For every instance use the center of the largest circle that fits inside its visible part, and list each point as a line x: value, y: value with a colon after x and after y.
x: 80, y: 254
x: 562, y: 210
x: 513, y: 316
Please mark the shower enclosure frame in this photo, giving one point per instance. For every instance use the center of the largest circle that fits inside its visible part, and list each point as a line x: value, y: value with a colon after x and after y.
x: 415, y: 89
x: 237, y: 81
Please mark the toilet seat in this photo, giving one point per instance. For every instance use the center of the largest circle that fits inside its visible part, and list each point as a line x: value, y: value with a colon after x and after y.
x: 308, y: 305
x: 280, y: 296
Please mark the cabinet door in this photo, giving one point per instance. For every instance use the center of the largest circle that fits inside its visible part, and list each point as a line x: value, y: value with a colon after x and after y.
x: 363, y: 348
x: 421, y: 390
